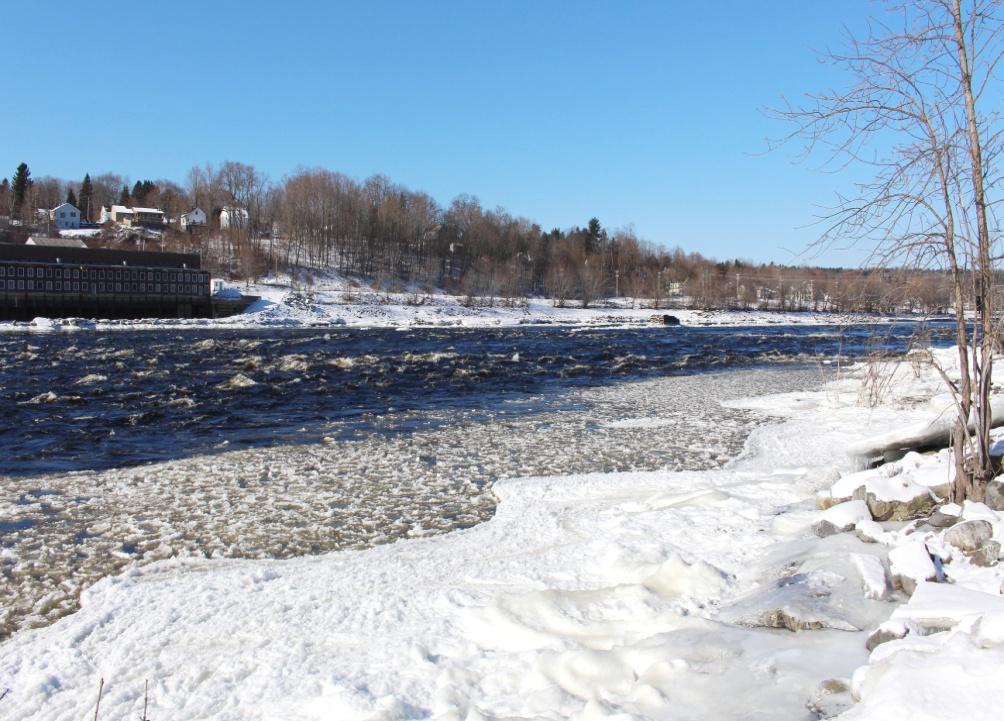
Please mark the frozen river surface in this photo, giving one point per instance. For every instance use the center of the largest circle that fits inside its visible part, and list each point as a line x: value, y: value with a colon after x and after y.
x: 128, y: 448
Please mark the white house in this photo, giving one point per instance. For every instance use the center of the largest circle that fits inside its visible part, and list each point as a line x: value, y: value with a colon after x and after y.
x: 132, y: 216
x: 231, y: 217
x: 65, y: 216
x: 117, y: 214
x: 193, y: 218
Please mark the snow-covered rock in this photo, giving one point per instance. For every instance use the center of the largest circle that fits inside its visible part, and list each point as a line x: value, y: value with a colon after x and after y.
x: 841, y: 518
x: 969, y: 536
x: 910, y: 564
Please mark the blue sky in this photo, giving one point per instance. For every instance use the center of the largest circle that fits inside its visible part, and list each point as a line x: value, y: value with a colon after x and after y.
x: 643, y: 113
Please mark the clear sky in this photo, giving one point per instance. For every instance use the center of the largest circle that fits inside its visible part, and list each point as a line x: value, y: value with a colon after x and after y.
x: 643, y: 113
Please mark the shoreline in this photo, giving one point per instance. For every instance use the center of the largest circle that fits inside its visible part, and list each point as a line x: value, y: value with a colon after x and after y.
x: 282, y: 307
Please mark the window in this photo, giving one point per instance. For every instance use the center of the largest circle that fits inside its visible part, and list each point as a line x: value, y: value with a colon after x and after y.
x: 118, y: 287
x: 48, y: 285
x: 20, y: 272
x: 31, y: 272
x: 48, y: 272
x: 76, y: 273
x: 62, y: 214
x: 59, y: 285
x: 3, y: 285
x: 20, y: 285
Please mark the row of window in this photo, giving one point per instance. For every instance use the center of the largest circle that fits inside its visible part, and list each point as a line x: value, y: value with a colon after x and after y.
x: 22, y: 271
x: 78, y: 286
x: 102, y: 280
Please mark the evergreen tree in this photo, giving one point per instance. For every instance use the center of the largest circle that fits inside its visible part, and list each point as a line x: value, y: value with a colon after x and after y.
x: 86, y: 196
x: 137, y: 193
x: 593, y: 234
x: 71, y: 198
x: 21, y: 186
x: 124, y: 196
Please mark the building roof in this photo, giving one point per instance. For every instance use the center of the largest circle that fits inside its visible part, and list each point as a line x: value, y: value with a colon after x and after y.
x: 147, y: 210
x: 193, y: 210
x: 120, y: 209
x: 66, y: 205
x: 56, y: 242
x: 99, y: 256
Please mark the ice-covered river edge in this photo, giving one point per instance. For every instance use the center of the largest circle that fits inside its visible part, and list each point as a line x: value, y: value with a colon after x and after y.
x: 625, y: 595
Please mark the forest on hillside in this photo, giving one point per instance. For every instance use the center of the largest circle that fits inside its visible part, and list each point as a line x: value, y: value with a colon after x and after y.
x: 317, y: 220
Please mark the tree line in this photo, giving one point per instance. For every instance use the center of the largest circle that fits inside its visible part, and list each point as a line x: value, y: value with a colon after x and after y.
x: 316, y: 220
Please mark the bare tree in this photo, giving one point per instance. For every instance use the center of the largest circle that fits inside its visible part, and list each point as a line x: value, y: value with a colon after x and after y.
x: 921, y: 115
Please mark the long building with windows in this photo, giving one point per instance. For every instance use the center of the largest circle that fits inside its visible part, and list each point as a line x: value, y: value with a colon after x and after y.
x: 99, y: 283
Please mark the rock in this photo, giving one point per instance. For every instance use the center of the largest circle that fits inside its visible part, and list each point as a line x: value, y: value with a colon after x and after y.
x: 987, y: 555
x: 972, y: 511
x: 824, y: 500
x: 885, y: 507
x: 911, y: 564
x: 799, y: 602
x: 969, y: 536
x: 995, y: 495
x: 831, y: 698
x: 665, y: 319
x: 939, y: 519
x: 869, y: 531
x: 873, y: 576
x: 888, y: 631
x: 841, y: 518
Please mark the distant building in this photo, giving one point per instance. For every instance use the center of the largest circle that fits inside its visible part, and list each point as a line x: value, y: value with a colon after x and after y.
x: 147, y: 216
x: 56, y: 242
x: 132, y: 217
x: 117, y: 214
x: 232, y: 217
x: 194, y: 218
x: 65, y: 216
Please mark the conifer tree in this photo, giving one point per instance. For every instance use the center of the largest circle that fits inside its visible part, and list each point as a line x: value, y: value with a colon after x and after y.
x: 86, y: 197
x: 21, y: 186
x: 124, y: 196
x: 71, y: 198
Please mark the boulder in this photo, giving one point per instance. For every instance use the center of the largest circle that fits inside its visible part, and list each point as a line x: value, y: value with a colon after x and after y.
x: 969, y: 536
x: 665, y: 319
x: 995, y: 495
x: 841, y: 518
x: 799, y: 602
x: 888, y: 631
x: 903, y: 502
x: 987, y: 555
x: 940, y: 519
x: 909, y: 565
x: 869, y: 531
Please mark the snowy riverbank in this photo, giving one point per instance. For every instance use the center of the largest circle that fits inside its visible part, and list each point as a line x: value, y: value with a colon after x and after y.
x: 335, y: 302
x: 622, y: 595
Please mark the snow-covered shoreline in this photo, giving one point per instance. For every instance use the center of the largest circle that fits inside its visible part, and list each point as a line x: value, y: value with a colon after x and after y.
x: 624, y: 595
x: 335, y: 305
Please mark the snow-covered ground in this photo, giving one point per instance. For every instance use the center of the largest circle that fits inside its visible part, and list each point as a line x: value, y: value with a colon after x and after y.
x: 638, y: 595
x: 338, y: 301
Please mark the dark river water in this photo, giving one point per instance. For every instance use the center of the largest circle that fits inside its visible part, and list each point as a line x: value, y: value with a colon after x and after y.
x: 95, y: 400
